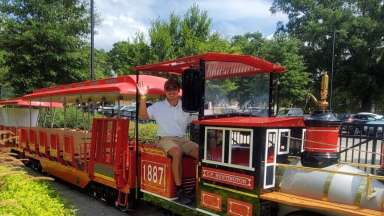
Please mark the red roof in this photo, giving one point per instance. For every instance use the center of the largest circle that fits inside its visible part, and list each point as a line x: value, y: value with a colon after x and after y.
x: 24, y: 103
x: 254, y: 122
x: 217, y: 65
x: 123, y: 85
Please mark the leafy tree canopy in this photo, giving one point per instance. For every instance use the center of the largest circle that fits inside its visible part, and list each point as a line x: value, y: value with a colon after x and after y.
x: 185, y: 36
x: 43, y: 40
x: 293, y: 85
x: 126, y: 54
x: 359, y: 46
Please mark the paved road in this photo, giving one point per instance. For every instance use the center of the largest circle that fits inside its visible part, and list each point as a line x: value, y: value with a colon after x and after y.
x: 87, y: 206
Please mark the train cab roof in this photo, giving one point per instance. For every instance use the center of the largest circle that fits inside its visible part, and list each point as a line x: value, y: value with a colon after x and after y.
x: 217, y: 65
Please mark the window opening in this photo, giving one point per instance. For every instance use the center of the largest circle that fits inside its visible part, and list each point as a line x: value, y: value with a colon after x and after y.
x: 214, y: 145
x: 230, y: 147
x: 240, y: 153
x: 284, y: 141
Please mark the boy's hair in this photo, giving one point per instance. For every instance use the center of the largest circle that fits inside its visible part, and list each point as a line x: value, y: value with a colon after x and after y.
x: 172, y: 84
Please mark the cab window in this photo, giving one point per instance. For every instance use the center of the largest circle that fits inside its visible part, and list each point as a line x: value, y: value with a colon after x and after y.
x: 229, y: 147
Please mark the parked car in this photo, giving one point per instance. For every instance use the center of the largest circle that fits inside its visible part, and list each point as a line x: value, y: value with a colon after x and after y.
x: 364, y: 123
x: 108, y: 111
x: 343, y: 116
x: 128, y: 111
x: 363, y: 117
x: 290, y: 112
x: 375, y: 128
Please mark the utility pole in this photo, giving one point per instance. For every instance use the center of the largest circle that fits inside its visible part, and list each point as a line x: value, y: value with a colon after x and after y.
x: 92, y: 42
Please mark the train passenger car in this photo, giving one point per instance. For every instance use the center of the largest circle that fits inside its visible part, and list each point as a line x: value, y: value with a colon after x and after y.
x: 17, y: 114
x: 96, y: 155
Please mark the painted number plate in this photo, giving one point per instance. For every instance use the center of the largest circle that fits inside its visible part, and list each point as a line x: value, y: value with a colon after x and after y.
x: 153, y: 175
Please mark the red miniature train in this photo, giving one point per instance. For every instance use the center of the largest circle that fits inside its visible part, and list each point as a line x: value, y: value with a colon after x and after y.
x: 241, y: 143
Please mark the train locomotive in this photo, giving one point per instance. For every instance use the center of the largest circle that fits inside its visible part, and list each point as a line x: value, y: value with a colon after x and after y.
x: 244, y: 166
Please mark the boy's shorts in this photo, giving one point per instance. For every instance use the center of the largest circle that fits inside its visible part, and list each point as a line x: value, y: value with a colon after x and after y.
x: 168, y: 142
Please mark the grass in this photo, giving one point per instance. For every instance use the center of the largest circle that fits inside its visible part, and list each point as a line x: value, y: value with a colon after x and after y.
x: 23, y: 194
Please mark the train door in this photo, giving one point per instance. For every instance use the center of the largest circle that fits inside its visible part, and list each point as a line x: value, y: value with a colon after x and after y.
x: 303, y: 138
x: 108, y: 150
x: 270, y: 158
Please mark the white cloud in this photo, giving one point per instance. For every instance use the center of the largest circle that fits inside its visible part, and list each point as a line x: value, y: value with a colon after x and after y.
x: 239, y: 9
x: 122, y: 19
x: 270, y: 36
x: 117, y: 28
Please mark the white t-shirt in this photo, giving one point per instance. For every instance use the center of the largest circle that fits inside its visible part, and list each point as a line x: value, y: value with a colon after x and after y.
x: 172, y: 120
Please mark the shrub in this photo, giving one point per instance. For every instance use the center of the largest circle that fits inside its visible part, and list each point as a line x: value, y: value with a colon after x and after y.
x: 22, y: 194
x: 147, y: 132
x: 74, y: 118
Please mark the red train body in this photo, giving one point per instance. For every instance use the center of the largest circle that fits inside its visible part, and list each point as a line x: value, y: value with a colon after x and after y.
x: 237, y: 169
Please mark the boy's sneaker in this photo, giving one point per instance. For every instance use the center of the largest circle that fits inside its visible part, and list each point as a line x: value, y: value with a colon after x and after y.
x: 182, y: 198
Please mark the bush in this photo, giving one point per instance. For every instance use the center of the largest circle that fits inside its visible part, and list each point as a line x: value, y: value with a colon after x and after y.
x: 22, y: 194
x: 147, y: 132
x: 74, y: 118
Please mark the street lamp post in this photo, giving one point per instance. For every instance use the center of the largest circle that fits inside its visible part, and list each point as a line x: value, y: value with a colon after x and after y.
x: 332, y: 68
x: 92, y: 42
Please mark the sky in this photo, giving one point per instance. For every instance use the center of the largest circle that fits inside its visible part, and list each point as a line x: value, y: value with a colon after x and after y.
x: 122, y: 19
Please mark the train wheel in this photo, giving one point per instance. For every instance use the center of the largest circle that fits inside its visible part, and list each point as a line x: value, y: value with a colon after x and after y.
x: 39, y: 168
x: 92, y: 191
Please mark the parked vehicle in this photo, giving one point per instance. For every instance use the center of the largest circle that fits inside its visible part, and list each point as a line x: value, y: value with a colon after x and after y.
x: 343, y: 116
x: 128, y: 111
x: 375, y: 128
x: 108, y: 111
x: 363, y: 117
x: 363, y: 124
x: 290, y: 112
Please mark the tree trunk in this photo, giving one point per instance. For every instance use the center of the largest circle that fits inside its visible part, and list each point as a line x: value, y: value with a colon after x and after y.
x: 366, y: 103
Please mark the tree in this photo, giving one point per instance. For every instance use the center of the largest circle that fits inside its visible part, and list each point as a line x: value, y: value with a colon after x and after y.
x: 185, y: 36
x: 195, y: 29
x: 358, y: 26
x: 43, y: 41
x: 215, y: 43
x: 126, y: 54
x: 6, y: 91
x: 164, y: 38
x: 293, y: 84
x: 103, y: 66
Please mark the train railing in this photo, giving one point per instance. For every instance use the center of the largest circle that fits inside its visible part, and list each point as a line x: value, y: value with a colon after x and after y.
x: 362, y: 145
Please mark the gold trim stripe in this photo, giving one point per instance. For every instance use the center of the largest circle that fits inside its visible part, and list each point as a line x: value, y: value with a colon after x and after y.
x: 328, y: 181
x: 360, y: 191
x: 231, y: 190
x: 104, y: 177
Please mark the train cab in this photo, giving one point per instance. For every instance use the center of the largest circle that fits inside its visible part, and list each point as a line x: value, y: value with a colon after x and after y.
x: 238, y: 161
x: 240, y: 141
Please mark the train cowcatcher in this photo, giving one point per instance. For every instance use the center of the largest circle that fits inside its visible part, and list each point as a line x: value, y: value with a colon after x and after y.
x: 244, y: 166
